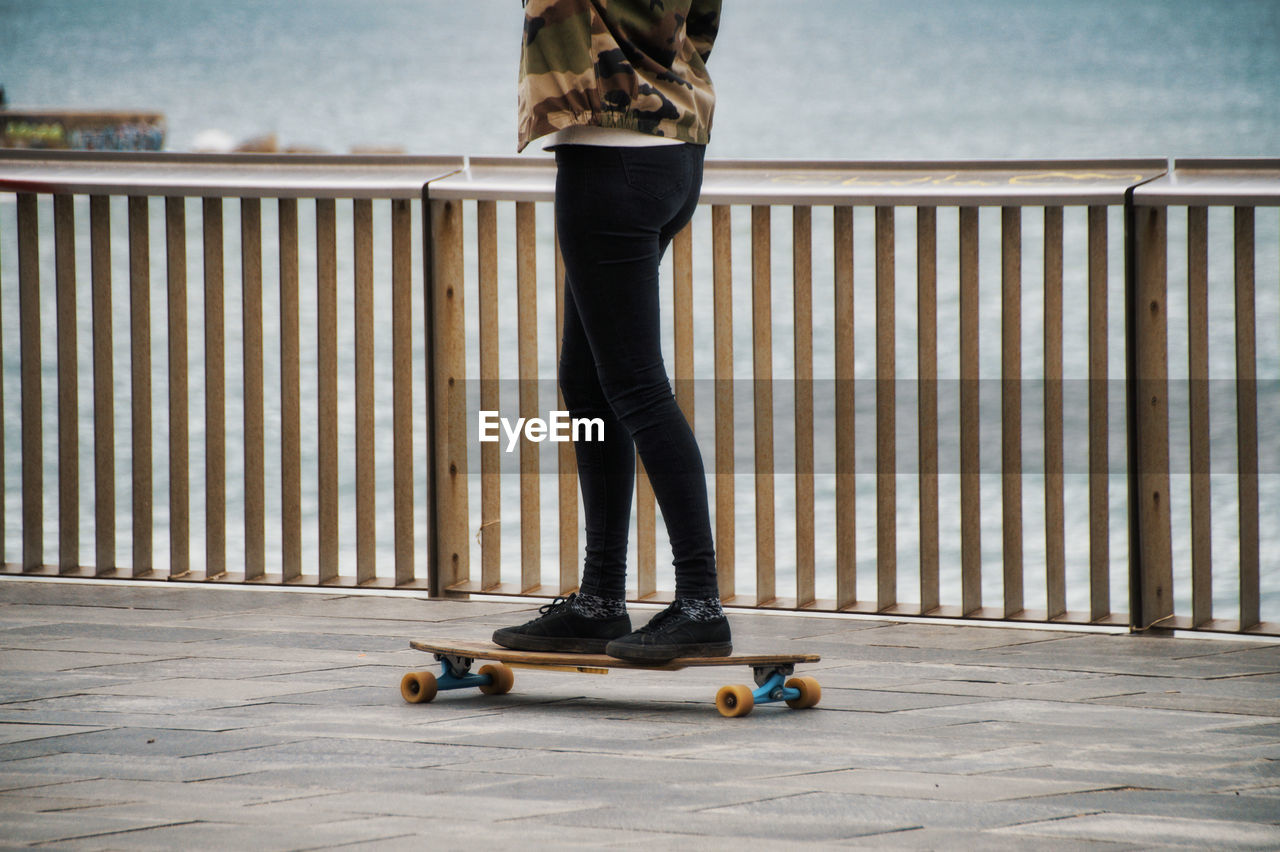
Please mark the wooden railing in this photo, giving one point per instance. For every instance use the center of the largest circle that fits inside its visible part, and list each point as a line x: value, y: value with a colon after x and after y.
x: 962, y: 189
x: 1169, y: 401
x: 328, y: 192
x: 894, y: 420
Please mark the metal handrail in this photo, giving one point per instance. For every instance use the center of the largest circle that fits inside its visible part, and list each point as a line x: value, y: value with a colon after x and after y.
x: 961, y: 182
x: 221, y: 175
x: 804, y: 182
x: 1241, y: 182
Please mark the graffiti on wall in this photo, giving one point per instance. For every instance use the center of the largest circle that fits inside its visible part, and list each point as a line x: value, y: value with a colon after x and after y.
x: 82, y: 131
x: 120, y: 137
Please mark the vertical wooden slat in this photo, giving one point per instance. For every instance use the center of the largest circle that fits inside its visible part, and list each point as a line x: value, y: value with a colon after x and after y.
x: 568, y: 460
x: 802, y: 283
x: 682, y: 299
x: 762, y: 374
x: 1099, y: 463
x: 327, y: 384
x: 104, y: 440
x: 846, y: 484
x: 4, y: 498
x: 215, y: 385
x: 970, y: 462
x: 1247, y: 418
x: 682, y: 322
x: 646, y: 534
x: 140, y: 344
x: 1011, y: 404
x: 290, y: 402
x: 64, y: 235
x: 490, y: 395
x: 175, y: 209
x: 722, y: 308
x: 402, y: 386
x: 527, y: 356
x: 1054, y: 497
x: 255, y: 549
x: 886, y: 416
x: 1152, y: 587
x: 366, y: 494
x: 432, y: 396
x: 927, y: 360
x: 1198, y: 374
x: 448, y: 359
x: 30, y: 344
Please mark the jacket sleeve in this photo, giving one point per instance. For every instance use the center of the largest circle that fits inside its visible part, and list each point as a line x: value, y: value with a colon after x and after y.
x: 702, y: 25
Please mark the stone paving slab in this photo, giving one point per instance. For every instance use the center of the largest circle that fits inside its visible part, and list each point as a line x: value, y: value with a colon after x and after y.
x: 1170, y: 700
x: 741, y: 823
x: 142, y: 742
x: 299, y: 834
x: 987, y: 841
x: 43, y: 662
x: 21, y: 733
x: 159, y: 716
x: 206, y: 688
x: 125, y: 768
x: 31, y: 829
x: 904, y: 813
x: 201, y: 666
x: 939, y: 636
x: 1173, y: 831
x: 1120, y: 775
x: 82, y: 709
x: 1184, y: 804
x: 950, y: 787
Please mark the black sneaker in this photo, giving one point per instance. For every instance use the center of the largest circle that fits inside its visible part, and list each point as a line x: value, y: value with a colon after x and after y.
x: 672, y: 634
x: 561, y: 628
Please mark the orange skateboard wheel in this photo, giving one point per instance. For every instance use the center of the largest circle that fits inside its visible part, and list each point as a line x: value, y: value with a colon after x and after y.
x: 503, y: 679
x: 810, y: 693
x: 735, y: 700
x: 418, y: 687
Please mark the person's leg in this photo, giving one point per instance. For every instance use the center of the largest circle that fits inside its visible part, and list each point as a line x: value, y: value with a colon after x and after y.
x: 617, y: 210
x: 606, y: 468
x: 588, y: 620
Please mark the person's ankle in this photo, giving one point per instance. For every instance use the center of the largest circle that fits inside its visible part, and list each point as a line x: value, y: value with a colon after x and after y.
x: 701, y: 609
x: 595, y: 606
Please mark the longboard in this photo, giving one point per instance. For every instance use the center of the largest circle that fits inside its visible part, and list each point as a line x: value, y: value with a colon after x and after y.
x: 772, y: 673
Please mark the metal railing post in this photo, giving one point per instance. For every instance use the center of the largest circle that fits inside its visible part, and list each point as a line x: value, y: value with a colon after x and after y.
x: 429, y: 347
x: 1146, y: 341
x: 448, y: 417
x: 30, y: 348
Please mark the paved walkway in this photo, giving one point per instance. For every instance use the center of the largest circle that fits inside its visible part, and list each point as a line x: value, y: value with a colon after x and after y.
x: 165, y: 716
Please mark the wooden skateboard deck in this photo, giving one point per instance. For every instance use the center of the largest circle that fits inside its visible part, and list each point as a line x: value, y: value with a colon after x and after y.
x: 772, y: 673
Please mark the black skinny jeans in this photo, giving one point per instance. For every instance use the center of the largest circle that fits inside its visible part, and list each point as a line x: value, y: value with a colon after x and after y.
x: 617, y: 210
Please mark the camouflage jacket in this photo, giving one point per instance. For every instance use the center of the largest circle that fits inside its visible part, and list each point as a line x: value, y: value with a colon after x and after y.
x: 634, y: 64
